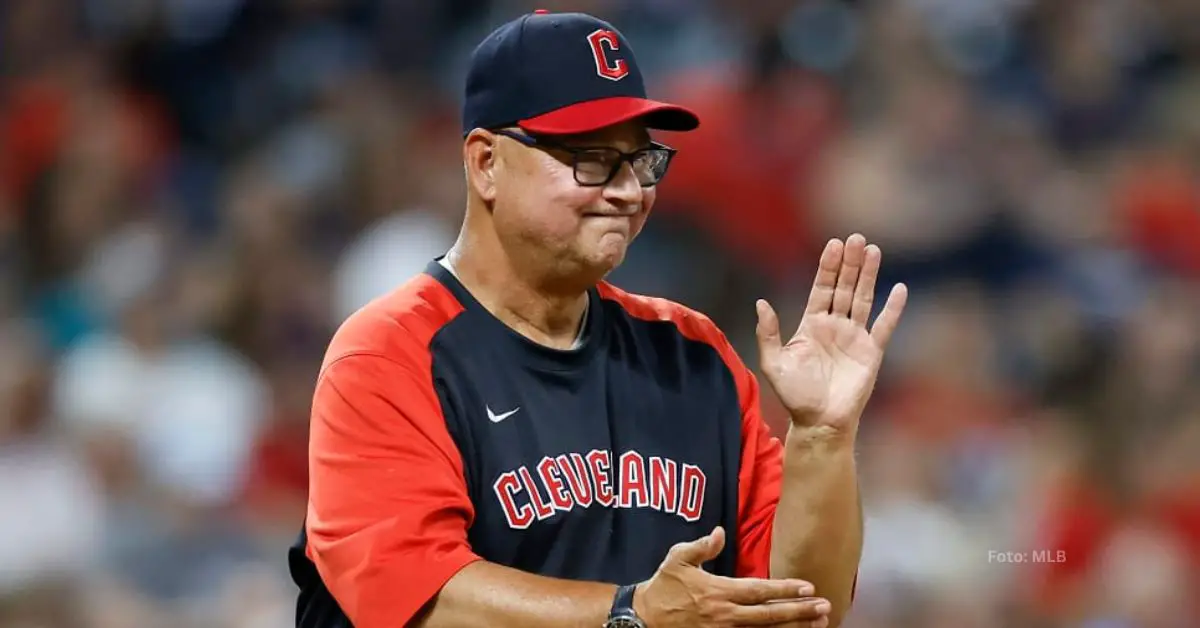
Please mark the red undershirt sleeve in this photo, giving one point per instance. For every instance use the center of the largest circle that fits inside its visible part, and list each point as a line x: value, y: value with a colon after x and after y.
x: 388, y: 507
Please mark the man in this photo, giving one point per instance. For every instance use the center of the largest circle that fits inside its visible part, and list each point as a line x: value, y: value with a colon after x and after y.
x: 509, y: 441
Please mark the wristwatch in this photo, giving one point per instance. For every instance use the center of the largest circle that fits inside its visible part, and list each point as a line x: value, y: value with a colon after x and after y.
x: 622, y: 614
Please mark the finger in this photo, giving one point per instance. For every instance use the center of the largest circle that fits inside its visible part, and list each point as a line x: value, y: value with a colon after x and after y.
x: 769, y: 342
x: 814, y: 623
x: 889, y: 318
x: 751, y: 591
x: 852, y: 262
x: 805, y: 623
x: 821, y: 297
x: 808, y: 609
x: 864, y: 292
x: 700, y: 551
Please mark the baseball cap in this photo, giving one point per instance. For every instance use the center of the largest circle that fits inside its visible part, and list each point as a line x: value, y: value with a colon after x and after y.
x: 558, y: 74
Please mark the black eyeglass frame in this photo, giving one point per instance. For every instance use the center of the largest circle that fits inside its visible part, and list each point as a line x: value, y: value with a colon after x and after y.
x: 575, y: 151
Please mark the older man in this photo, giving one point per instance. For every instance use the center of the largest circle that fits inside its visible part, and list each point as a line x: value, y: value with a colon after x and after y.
x: 508, y: 440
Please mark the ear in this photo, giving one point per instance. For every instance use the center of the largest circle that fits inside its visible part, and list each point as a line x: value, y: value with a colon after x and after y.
x: 480, y: 161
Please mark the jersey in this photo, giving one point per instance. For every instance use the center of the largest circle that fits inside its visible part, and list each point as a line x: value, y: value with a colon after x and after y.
x: 440, y: 436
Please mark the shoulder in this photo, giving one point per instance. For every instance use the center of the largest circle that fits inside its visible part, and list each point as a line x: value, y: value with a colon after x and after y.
x: 690, y: 323
x: 398, y: 325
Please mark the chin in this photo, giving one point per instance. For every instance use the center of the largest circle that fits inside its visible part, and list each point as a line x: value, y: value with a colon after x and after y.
x: 610, y: 257
x: 597, y: 258
x: 597, y: 267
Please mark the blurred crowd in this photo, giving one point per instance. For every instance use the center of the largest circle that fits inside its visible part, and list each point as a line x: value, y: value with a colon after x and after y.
x: 194, y: 193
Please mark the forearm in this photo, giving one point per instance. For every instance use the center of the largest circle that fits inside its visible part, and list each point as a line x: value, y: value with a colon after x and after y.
x: 818, y: 530
x: 487, y: 594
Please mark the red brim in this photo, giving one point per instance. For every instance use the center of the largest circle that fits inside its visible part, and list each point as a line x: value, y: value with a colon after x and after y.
x: 593, y: 115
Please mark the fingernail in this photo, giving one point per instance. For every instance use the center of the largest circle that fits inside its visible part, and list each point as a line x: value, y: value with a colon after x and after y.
x: 824, y: 607
x: 806, y: 590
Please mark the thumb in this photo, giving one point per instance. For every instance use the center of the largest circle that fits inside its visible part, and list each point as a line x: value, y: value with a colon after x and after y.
x: 769, y: 343
x: 701, y: 550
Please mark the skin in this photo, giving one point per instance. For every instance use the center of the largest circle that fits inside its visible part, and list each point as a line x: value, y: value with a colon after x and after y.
x: 824, y: 374
x: 533, y: 241
x: 530, y: 228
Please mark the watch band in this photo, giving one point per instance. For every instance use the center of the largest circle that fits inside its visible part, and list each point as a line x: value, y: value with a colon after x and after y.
x: 622, y: 614
x: 623, y: 601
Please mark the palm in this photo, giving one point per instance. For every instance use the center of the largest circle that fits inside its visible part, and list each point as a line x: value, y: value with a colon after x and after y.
x: 822, y: 368
x: 826, y: 371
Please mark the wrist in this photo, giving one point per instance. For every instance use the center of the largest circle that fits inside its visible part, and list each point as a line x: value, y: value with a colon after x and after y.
x: 639, y: 602
x: 822, y: 438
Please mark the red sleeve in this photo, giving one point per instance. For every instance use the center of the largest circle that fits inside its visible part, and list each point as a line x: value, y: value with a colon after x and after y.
x: 760, y: 477
x: 388, y: 507
x: 760, y: 480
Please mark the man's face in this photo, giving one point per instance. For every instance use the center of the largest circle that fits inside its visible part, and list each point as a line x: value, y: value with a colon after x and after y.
x: 542, y: 213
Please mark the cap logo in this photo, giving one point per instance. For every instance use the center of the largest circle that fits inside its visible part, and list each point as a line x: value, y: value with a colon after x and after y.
x: 604, y: 43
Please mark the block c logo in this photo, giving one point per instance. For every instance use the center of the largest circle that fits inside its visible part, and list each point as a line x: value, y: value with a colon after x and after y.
x: 613, y: 69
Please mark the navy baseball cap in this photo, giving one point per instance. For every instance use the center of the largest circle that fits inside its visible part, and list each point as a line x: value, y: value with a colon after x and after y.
x: 559, y: 74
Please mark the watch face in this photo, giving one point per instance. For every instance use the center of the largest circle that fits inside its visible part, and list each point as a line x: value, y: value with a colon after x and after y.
x: 624, y: 622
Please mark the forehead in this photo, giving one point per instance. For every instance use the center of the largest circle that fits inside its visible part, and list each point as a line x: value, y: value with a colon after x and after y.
x: 626, y: 135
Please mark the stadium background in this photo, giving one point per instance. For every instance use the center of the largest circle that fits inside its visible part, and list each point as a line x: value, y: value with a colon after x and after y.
x: 193, y: 193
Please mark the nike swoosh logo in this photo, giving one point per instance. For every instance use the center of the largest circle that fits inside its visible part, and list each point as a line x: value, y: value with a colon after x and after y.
x: 496, y: 418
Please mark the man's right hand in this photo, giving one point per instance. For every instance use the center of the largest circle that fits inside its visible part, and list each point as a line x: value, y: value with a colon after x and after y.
x: 681, y: 594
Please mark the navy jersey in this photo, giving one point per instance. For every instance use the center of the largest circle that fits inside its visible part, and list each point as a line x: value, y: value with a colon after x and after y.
x: 440, y: 436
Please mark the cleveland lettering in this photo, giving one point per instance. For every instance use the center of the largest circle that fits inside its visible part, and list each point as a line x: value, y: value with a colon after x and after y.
x: 568, y: 481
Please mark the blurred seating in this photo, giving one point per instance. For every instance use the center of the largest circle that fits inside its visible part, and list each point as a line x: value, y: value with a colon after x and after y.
x: 194, y: 194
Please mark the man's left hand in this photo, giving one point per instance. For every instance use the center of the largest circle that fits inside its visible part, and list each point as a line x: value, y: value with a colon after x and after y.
x: 825, y: 372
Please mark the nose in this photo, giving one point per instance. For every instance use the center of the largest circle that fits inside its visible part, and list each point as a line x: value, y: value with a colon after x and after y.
x: 624, y: 191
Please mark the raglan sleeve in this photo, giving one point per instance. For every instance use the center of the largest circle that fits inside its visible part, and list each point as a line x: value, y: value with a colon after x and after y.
x: 760, y: 476
x: 760, y: 472
x: 388, y: 505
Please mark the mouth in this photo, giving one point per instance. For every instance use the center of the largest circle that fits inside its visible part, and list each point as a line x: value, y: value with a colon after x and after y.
x: 627, y: 213
x: 610, y: 223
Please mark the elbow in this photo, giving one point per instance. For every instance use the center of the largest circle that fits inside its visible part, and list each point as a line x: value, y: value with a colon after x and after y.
x: 838, y: 614
x: 842, y: 604
x: 841, y: 598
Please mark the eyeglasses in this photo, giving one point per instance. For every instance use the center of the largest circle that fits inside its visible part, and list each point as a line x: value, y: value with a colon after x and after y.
x: 596, y: 166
